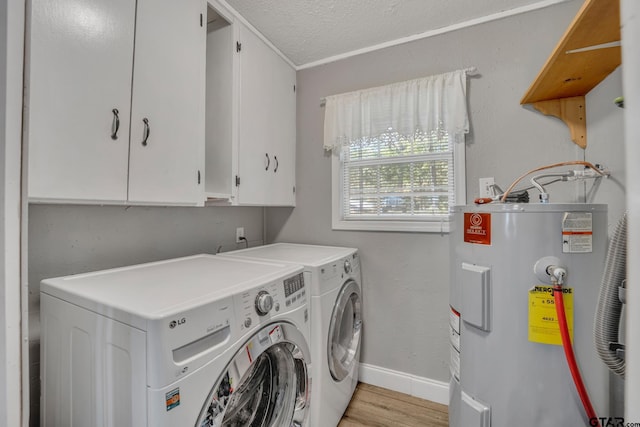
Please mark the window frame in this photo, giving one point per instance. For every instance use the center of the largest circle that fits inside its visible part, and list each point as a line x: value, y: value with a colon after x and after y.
x: 436, y: 224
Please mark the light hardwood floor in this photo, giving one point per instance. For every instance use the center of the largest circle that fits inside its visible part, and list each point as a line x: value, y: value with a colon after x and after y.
x: 373, y: 406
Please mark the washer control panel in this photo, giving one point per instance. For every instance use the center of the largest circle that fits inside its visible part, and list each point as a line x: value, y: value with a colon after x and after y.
x: 294, y: 289
x: 255, y: 306
x: 345, y: 266
x: 354, y: 262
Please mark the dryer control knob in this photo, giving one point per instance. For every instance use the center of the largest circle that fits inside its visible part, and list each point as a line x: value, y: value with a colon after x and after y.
x: 347, y: 267
x: 264, y: 303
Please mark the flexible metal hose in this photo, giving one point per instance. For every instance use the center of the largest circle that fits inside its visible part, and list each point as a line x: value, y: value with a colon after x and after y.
x: 608, y: 310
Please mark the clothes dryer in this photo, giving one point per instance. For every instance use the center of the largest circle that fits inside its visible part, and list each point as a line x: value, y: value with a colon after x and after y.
x: 336, y: 320
x: 200, y: 341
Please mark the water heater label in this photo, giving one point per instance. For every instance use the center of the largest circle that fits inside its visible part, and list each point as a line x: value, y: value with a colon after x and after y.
x: 543, y: 320
x: 577, y: 232
x: 477, y: 228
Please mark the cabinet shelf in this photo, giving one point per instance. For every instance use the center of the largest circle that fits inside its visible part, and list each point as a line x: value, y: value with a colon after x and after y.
x: 587, y: 53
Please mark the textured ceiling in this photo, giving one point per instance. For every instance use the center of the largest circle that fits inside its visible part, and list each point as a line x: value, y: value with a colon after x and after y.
x: 308, y: 31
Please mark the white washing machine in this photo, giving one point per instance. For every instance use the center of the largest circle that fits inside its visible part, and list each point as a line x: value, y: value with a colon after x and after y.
x: 336, y: 320
x: 200, y: 341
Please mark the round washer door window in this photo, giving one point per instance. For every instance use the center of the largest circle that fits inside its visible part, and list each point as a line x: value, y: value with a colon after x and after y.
x: 344, y: 331
x: 264, y: 385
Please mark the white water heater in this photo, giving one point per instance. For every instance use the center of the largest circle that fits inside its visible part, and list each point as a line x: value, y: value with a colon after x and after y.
x: 507, y: 363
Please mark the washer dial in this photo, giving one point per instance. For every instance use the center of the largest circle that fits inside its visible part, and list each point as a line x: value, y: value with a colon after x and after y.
x: 264, y: 303
x: 347, y: 267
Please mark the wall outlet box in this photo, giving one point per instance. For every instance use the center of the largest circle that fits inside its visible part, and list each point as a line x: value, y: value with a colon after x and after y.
x: 239, y: 234
x: 486, y: 187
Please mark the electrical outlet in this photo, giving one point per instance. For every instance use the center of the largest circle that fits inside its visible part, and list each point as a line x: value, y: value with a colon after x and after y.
x: 486, y: 187
x: 239, y: 234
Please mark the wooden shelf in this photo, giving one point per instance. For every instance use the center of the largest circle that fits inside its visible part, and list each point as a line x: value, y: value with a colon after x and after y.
x: 585, y: 55
x: 572, y: 111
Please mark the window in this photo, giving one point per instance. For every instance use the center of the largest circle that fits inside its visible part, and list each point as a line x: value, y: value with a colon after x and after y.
x: 397, y: 164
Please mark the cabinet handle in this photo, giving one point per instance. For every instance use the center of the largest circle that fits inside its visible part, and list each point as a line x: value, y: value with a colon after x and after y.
x: 276, y: 168
x: 147, y: 131
x: 268, y: 161
x: 116, y: 124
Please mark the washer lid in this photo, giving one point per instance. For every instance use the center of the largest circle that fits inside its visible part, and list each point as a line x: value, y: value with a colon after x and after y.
x: 307, y: 255
x: 160, y: 289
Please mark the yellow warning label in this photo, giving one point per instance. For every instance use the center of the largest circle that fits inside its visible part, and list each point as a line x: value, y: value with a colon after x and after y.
x: 543, y: 320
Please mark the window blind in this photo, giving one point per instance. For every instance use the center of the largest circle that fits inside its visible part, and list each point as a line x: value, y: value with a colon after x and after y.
x: 393, y: 176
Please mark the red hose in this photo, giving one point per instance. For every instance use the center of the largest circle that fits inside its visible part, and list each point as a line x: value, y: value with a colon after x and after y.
x: 571, y: 359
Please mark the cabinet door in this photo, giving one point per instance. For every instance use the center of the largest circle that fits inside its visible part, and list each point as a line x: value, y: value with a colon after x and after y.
x: 267, y: 130
x: 167, y: 114
x: 79, y: 63
x: 255, y: 162
x: 283, y: 133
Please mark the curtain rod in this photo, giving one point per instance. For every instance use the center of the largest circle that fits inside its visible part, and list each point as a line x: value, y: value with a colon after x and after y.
x: 470, y: 71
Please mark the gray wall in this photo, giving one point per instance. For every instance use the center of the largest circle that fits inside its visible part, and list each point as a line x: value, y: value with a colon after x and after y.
x: 68, y: 239
x: 605, y: 139
x: 405, y: 275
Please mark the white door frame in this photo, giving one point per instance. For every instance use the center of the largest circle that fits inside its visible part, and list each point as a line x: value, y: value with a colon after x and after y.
x: 12, y: 410
x: 630, y: 23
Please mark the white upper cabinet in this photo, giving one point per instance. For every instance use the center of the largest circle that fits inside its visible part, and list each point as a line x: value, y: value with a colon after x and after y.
x: 251, y: 117
x: 79, y: 68
x: 267, y: 132
x: 167, y: 113
x: 256, y: 159
x: 92, y: 135
x: 283, y: 133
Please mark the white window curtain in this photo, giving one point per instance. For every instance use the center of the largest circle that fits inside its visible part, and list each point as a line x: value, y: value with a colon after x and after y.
x: 431, y: 104
x: 398, y: 160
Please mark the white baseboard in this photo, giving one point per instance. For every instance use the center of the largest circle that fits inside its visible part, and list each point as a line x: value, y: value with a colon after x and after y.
x: 424, y: 388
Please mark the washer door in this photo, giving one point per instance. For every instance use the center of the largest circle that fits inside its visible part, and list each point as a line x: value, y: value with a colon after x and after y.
x: 344, y: 331
x: 265, y: 384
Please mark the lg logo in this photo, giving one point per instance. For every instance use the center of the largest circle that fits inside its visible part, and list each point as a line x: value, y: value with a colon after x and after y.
x: 178, y: 322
